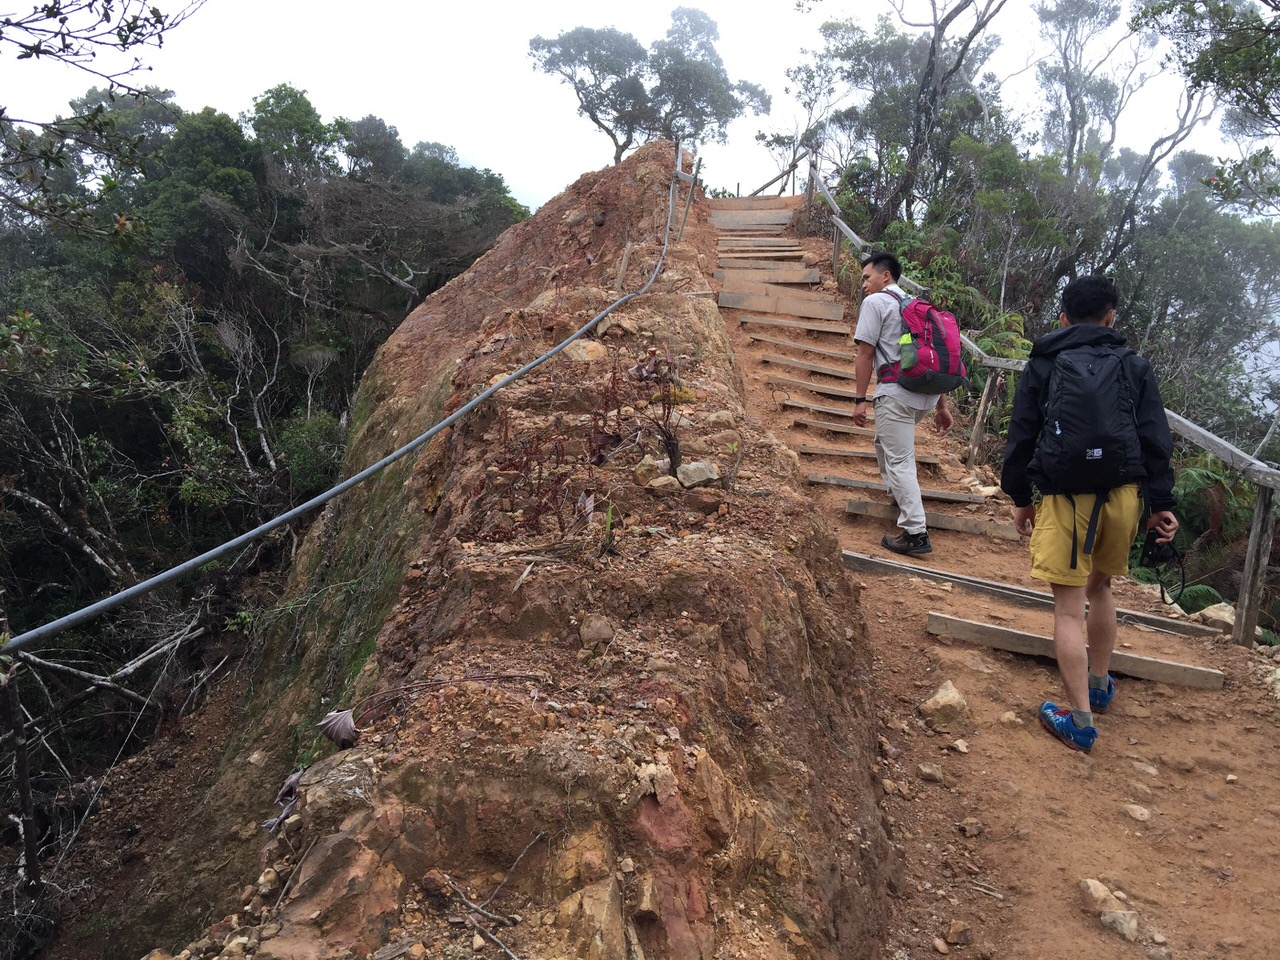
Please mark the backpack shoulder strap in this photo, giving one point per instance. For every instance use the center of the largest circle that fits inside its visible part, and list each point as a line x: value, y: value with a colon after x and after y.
x: 901, y: 319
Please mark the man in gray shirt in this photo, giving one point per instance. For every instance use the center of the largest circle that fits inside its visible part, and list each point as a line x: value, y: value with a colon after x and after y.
x: 897, y: 410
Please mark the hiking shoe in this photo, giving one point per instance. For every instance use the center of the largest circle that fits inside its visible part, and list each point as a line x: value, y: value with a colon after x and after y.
x: 908, y: 543
x: 1057, y: 721
x: 1099, y: 700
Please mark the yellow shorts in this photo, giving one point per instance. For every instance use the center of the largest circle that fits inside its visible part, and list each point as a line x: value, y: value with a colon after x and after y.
x: 1051, y: 536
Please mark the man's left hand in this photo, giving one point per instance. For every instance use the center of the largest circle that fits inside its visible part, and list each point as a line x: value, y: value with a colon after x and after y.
x: 942, y: 418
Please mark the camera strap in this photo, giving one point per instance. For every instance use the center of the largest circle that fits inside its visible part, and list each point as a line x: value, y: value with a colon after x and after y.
x: 1160, y: 568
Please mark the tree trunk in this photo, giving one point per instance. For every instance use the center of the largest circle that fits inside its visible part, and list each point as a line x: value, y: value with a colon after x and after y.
x: 22, y: 780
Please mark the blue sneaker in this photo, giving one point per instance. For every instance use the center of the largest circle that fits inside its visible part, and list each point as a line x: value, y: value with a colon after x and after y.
x: 1099, y: 700
x: 1057, y: 721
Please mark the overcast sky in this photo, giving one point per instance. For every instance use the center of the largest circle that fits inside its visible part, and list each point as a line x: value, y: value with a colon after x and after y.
x: 460, y: 73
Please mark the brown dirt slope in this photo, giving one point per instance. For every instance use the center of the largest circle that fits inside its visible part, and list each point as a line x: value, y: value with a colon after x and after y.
x: 651, y: 720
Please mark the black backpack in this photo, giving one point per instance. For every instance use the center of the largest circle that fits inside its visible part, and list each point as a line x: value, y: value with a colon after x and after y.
x: 1089, y: 441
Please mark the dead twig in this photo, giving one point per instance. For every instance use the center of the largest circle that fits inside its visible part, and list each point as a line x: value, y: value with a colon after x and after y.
x: 983, y: 888
x: 477, y: 908
x: 297, y: 867
x: 479, y: 928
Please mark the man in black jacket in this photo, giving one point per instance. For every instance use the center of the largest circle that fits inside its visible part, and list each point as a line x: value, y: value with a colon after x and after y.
x: 1105, y: 521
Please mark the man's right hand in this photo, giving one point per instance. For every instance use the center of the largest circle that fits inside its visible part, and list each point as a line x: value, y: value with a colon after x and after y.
x: 1024, y: 518
x: 860, y: 413
x: 1165, y: 524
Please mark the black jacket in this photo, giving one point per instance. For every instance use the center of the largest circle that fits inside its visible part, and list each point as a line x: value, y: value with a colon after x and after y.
x: 1028, y: 415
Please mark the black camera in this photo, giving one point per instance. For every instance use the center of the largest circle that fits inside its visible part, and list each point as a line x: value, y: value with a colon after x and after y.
x: 1156, y: 554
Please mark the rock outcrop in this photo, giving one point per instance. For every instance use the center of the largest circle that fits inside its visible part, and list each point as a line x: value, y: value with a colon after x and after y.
x: 641, y: 714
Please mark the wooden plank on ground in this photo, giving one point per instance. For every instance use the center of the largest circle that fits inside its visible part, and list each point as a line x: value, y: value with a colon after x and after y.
x: 943, y: 496
x: 755, y: 203
x: 814, y: 327
x: 834, y: 427
x: 787, y: 306
x: 1129, y: 664
x: 773, y: 274
x: 815, y: 451
x: 730, y: 258
x: 830, y: 391
x: 806, y: 365
x: 1012, y: 593
x: 806, y: 347
x: 737, y: 282
x: 774, y: 221
x: 786, y: 243
x: 817, y: 408
x: 936, y: 521
x: 759, y: 264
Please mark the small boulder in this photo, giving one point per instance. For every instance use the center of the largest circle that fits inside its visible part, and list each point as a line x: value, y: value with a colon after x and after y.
x: 945, y: 708
x: 646, y: 470
x: 700, y: 473
x: 1220, y: 615
x: 1123, y: 922
x: 586, y: 351
x: 595, y: 629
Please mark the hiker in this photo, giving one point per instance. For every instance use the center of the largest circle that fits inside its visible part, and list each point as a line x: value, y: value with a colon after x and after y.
x: 1089, y: 432
x: 897, y: 409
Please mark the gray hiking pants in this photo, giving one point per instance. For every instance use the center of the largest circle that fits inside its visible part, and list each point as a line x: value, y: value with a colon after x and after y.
x: 896, y: 455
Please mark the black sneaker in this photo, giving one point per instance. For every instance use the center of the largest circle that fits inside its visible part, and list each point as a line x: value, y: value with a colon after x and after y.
x: 908, y: 543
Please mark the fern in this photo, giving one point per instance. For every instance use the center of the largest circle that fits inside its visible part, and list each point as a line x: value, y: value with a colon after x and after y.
x: 1197, y: 596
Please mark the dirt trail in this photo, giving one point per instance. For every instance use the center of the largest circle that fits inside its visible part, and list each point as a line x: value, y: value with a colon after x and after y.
x: 996, y: 851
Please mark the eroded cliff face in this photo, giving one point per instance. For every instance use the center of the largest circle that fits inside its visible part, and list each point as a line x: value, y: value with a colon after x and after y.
x: 639, y: 708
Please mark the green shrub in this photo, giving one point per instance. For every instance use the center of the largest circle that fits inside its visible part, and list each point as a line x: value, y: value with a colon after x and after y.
x: 312, y: 450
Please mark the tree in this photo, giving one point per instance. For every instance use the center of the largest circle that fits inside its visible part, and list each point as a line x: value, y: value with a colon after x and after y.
x: 891, y: 165
x: 1086, y: 84
x: 290, y: 132
x: 1231, y: 49
x: 948, y: 63
x: 32, y: 150
x: 693, y: 98
x: 606, y: 69
x: 678, y: 90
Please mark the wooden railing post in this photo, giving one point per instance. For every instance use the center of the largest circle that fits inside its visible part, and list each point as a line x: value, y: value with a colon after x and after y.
x: 980, y: 421
x: 1254, y: 575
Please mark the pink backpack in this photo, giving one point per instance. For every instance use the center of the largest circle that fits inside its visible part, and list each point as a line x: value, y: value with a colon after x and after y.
x: 930, y: 344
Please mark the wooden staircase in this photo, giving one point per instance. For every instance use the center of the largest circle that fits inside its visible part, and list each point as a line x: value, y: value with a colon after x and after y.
x: 800, y: 331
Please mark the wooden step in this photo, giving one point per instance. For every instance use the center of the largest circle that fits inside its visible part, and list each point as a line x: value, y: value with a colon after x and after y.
x: 824, y: 389
x: 782, y: 243
x: 817, y: 408
x: 834, y: 427
x: 809, y: 449
x: 733, y: 219
x: 759, y: 263
x: 740, y: 284
x: 786, y: 306
x: 755, y: 203
x: 771, y: 275
x: 780, y: 259
x: 1129, y: 664
x: 1021, y: 596
x: 806, y: 347
x: 811, y: 367
x: 942, y: 496
x: 841, y: 328
x: 936, y: 521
